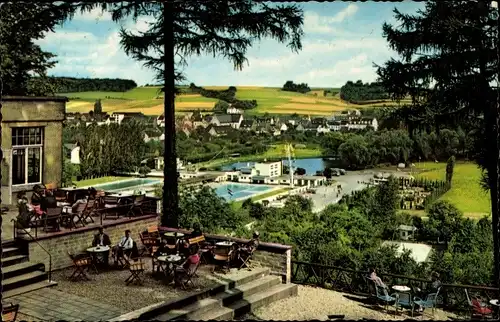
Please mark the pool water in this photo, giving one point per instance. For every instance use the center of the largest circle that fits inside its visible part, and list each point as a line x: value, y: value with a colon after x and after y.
x: 240, y: 190
x: 131, y: 184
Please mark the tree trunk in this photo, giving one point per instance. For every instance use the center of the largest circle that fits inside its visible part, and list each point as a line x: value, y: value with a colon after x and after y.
x: 170, y: 185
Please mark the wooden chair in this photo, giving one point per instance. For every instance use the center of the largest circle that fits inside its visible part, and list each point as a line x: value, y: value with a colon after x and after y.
x: 60, y: 195
x: 52, y: 218
x: 187, y: 275
x: 222, y: 258
x: 245, y: 257
x: 148, y: 243
x: 136, y: 206
x: 9, y: 312
x: 153, y: 232
x: 78, y: 214
x: 89, y: 211
x: 111, y: 204
x: 136, y: 272
x: 154, y: 260
x: 81, y: 263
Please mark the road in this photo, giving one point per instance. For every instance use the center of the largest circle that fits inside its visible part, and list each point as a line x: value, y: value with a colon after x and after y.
x: 350, y: 182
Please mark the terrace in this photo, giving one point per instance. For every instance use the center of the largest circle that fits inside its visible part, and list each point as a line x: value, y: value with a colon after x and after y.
x: 278, y: 288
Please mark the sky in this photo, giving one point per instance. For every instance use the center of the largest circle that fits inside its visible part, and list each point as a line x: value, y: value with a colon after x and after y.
x: 341, y: 42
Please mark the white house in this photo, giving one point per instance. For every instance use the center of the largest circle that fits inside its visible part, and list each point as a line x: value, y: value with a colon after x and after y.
x: 233, y: 110
x: 362, y: 123
x: 159, y: 163
x: 268, y: 169
x: 160, y: 121
x: 334, y: 126
x: 283, y: 127
x: 323, y: 129
x: 233, y: 120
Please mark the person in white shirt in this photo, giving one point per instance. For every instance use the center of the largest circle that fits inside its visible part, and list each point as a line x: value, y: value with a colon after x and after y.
x: 124, y: 247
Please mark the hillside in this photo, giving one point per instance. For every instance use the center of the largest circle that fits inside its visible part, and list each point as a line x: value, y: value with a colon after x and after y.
x: 270, y: 100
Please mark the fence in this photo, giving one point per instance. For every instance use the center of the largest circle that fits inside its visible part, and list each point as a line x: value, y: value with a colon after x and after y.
x: 453, y: 297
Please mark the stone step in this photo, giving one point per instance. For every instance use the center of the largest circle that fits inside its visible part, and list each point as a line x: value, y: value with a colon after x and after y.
x: 13, y: 260
x: 10, y: 251
x: 27, y: 289
x: 222, y: 283
x: 23, y: 280
x: 197, y: 309
x: 22, y: 268
x: 252, y: 302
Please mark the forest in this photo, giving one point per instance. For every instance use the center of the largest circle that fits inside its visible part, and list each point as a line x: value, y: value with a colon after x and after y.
x: 358, y: 92
x: 72, y: 84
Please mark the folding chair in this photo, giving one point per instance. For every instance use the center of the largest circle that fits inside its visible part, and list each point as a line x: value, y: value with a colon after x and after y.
x: 60, y: 195
x: 245, y: 258
x: 80, y: 263
x: 187, y: 276
x: 89, y: 211
x: 153, y: 232
x: 111, y: 205
x: 136, y: 206
x: 69, y: 218
x: 9, y: 312
x: 52, y: 218
x: 222, y: 258
x: 148, y: 244
x: 136, y: 271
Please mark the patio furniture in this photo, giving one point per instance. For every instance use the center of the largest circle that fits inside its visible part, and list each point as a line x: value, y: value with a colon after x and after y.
x: 111, y: 206
x: 136, y: 271
x: 187, y: 275
x: 222, y: 258
x: 496, y: 305
x: 153, y: 232
x: 98, y: 254
x: 52, y: 218
x: 384, y: 296
x: 60, y: 195
x: 81, y: 263
x: 429, y: 303
x: 136, y: 206
x: 69, y: 218
x: 404, y: 300
x: 148, y: 243
x: 9, y: 312
x: 203, y: 249
x: 245, y: 256
x: 89, y: 211
x: 478, y: 308
x: 166, y: 264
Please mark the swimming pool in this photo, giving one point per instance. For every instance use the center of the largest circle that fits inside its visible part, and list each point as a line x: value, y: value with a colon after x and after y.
x: 131, y: 184
x: 240, y: 190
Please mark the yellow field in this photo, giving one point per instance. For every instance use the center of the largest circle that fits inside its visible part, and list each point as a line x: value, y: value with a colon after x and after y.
x: 270, y: 100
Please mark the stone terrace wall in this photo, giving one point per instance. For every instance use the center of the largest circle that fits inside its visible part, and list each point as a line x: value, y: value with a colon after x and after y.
x: 275, y: 256
x: 78, y: 240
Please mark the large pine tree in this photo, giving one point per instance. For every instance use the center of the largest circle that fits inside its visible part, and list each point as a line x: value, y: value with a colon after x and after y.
x: 448, y: 65
x: 181, y: 29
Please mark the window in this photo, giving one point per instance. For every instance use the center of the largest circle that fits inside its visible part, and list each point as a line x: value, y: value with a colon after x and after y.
x: 27, y: 145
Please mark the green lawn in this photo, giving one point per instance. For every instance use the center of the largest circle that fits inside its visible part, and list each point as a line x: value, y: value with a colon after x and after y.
x: 237, y: 204
x: 466, y: 192
x: 92, y: 182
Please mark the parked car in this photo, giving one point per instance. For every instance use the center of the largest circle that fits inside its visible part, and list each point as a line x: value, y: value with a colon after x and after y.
x: 335, y: 173
x: 342, y: 171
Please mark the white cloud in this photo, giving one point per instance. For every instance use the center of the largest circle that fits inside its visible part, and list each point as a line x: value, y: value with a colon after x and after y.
x: 314, y: 23
x: 60, y: 38
x: 95, y: 14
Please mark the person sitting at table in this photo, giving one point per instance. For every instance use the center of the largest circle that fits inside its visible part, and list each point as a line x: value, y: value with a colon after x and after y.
x: 92, y: 192
x: 188, y: 266
x: 36, y: 197
x: 373, y: 276
x: 81, y: 200
x: 21, y: 198
x: 184, y: 247
x: 48, y: 201
x: 124, y: 247
x: 101, y: 239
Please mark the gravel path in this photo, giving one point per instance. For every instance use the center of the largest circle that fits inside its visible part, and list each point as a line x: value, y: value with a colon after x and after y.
x: 313, y: 303
x: 109, y: 287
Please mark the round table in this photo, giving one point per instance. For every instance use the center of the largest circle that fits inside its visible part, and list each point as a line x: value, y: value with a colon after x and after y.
x: 401, y: 288
x: 225, y: 244
x: 98, y: 254
x: 494, y: 302
x: 63, y: 204
x: 168, y: 261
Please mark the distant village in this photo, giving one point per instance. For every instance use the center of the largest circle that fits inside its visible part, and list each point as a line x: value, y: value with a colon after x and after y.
x: 220, y: 125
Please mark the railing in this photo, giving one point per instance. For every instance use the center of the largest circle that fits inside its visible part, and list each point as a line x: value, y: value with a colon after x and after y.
x: 452, y: 296
x: 36, y: 241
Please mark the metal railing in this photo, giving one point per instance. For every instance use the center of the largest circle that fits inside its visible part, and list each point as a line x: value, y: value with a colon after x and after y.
x: 452, y: 296
x: 36, y: 241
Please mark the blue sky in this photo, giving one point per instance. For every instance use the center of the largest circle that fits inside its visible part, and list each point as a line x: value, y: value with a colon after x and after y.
x: 342, y: 41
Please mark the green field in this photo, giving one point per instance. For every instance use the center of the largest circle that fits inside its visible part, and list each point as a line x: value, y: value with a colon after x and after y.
x: 236, y: 205
x: 466, y: 192
x: 270, y: 100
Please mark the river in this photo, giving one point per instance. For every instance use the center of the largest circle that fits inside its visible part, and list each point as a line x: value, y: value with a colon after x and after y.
x: 311, y: 165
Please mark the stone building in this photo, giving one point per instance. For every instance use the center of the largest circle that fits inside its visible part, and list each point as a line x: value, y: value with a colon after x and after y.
x: 32, y: 129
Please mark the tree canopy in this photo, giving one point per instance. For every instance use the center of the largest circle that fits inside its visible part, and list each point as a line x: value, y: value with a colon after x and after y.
x: 359, y: 92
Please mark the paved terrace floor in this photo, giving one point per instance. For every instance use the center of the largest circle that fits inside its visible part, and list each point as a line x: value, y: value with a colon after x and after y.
x: 314, y: 303
x: 103, y: 297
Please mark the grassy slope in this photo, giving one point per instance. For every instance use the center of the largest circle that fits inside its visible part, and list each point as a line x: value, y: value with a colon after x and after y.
x: 466, y: 192
x: 270, y: 100
x: 236, y: 205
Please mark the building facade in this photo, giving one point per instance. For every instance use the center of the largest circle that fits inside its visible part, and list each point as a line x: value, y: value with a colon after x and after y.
x: 32, y: 130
